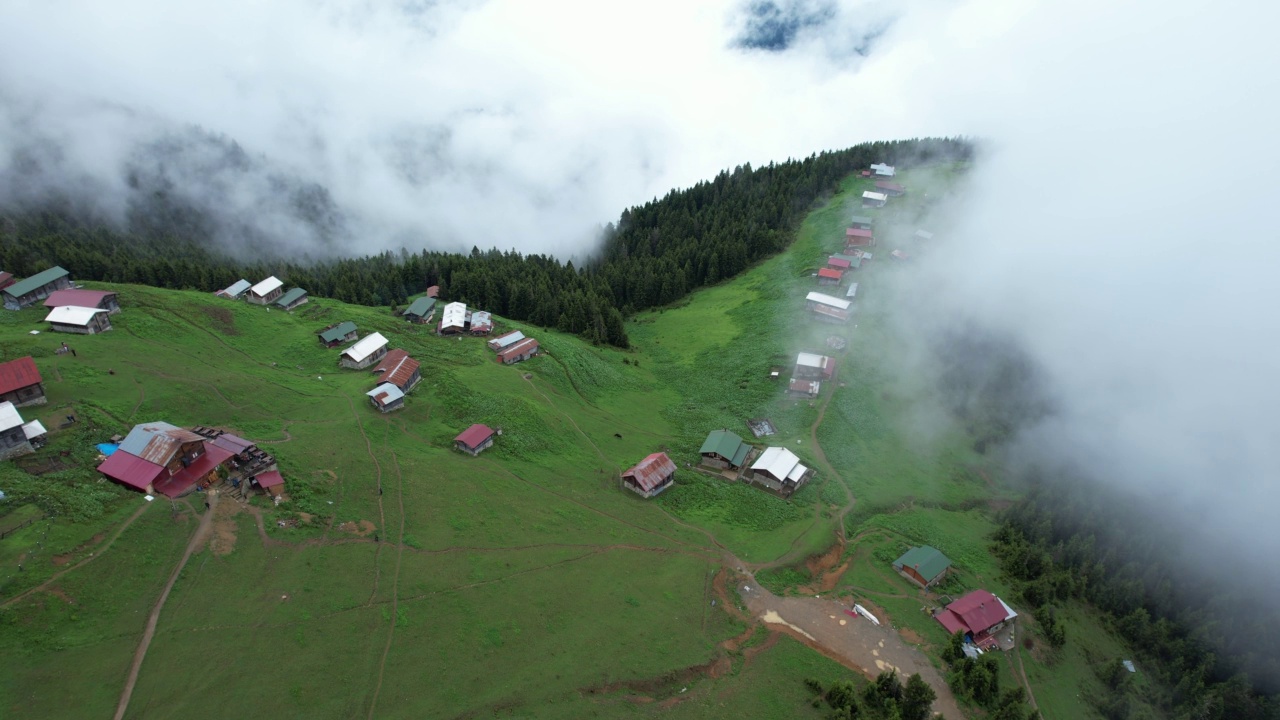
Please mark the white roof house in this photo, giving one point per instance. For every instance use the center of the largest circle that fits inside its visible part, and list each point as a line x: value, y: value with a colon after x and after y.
x: 235, y: 289
x: 875, y: 197
x: 882, y: 170
x: 72, y: 315
x: 853, y: 290
x: 811, y: 360
x: 33, y: 429
x: 392, y: 392
x: 367, y: 346
x: 827, y: 300
x: 780, y: 463
x: 9, y: 417
x: 502, y: 341
x: 265, y: 287
x: 924, y: 234
x: 454, y: 316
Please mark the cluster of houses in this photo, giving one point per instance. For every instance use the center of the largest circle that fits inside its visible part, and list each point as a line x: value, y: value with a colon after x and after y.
x: 397, y: 372
x: 456, y: 319
x: 513, y: 347
x: 159, y: 458
x: 71, y: 309
x: 980, y: 615
x: 268, y: 292
x: 20, y: 386
x: 776, y: 469
x: 885, y: 188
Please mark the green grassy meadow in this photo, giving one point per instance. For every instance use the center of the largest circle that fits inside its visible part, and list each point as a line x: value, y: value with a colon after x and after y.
x: 517, y: 583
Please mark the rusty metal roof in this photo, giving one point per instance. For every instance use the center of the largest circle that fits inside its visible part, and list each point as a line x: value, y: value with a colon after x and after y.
x: 397, y: 368
x: 157, y: 442
x: 650, y: 472
x: 524, y: 346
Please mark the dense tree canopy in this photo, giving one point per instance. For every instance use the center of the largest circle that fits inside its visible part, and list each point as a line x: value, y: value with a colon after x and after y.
x: 656, y: 253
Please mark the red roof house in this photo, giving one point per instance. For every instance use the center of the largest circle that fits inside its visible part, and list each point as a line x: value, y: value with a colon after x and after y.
x: 474, y: 439
x: 270, y: 481
x: 521, y: 351
x: 6, y: 279
x: 890, y: 188
x: 858, y: 237
x: 828, y: 276
x: 132, y: 471
x: 838, y: 263
x: 20, y: 382
x: 433, y: 291
x: 979, y: 615
x: 651, y: 475
x: 199, y: 470
x: 101, y: 299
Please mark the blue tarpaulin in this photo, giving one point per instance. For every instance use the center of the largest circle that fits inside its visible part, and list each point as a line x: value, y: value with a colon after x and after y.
x: 107, y: 448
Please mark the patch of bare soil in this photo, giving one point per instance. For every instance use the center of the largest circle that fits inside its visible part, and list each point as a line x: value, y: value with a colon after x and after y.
x: 223, y: 540
x: 363, y: 528
x: 306, y: 518
x: 751, y: 652
x: 60, y: 594
x: 222, y: 320
x: 68, y: 557
x: 910, y: 636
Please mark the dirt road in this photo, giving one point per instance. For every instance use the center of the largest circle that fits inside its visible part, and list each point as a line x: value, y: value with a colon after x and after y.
x: 197, y: 540
x: 874, y: 649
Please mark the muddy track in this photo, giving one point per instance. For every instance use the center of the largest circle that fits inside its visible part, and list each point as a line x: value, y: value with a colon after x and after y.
x: 197, y: 539
x: 97, y: 553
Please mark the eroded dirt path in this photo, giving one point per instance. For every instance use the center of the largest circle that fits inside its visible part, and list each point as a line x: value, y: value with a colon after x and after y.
x: 857, y: 643
x: 197, y: 539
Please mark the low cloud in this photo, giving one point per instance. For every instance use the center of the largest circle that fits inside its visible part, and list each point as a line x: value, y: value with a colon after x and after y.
x: 1117, y: 229
x: 346, y: 127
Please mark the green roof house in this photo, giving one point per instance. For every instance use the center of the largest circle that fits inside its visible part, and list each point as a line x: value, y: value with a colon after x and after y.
x: 724, y: 449
x: 35, y: 288
x: 336, y: 335
x: 924, y: 565
x: 292, y: 299
x: 860, y: 221
x: 855, y: 261
x: 421, y: 311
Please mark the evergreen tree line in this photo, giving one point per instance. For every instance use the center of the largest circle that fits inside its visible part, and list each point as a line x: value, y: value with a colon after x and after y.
x: 1213, y: 644
x: 884, y: 699
x: 978, y: 681
x: 656, y: 253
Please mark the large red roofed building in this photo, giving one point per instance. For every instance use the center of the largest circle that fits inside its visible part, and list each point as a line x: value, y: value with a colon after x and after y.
x: 20, y: 383
x: 651, y: 475
x: 979, y: 615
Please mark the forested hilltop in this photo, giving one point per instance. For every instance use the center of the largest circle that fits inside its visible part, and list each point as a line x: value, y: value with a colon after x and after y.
x: 657, y: 252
